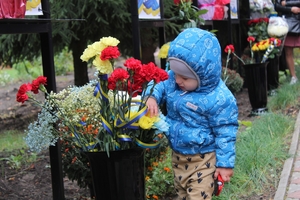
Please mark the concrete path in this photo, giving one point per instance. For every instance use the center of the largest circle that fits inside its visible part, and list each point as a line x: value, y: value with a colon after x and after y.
x: 289, y: 185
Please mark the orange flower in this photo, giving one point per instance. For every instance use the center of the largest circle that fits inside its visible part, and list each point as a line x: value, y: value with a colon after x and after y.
x: 96, y: 131
x: 84, y: 118
x: 150, y: 169
x: 167, y: 169
x: 147, y: 178
x: 155, y: 164
x: 155, y: 197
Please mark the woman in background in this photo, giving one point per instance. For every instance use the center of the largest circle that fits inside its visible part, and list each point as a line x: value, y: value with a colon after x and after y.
x: 290, y: 10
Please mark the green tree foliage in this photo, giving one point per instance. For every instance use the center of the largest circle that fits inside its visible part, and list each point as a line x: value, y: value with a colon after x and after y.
x: 87, y: 21
x: 75, y: 24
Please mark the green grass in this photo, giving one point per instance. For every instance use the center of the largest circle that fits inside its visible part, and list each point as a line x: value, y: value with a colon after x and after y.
x: 26, y: 70
x: 286, y: 96
x: 263, y: 148
x: 260, y: 153
x: 12, y: 140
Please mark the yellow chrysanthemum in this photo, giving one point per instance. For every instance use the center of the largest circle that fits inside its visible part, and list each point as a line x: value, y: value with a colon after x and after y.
x: 163, y: 52
x: 109, y: 41
x: 88, y: 53
x: 144, y: 122
x: 147, y: 122
x: 263, y: 46
x: 98, y: 47
x: 103, y: 66
x: 255, y: 48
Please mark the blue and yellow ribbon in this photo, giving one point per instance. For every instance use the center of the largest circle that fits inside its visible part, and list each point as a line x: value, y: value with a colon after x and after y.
x: 146, y: 145
x: 120, y: 123
x: 107, y: 126
x: 98, y: 91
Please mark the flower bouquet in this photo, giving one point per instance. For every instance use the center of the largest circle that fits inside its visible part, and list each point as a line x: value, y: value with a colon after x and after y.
x: 260, y: 52
x: 260, y: 8
x: 266, y: 35
x: 107, y: 114
x: 256, y: 70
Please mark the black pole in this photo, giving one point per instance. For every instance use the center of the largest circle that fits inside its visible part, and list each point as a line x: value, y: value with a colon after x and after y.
x: 162, y: 35
x: 49, y: 72
x: 135, y: 30
x: 229, y: 26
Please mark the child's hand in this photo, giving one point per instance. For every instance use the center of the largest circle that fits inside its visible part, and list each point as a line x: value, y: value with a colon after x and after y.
x: 152, y: 107
x: 225, y: 173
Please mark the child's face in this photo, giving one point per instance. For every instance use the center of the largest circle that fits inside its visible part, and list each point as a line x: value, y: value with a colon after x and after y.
x: 186, y: 84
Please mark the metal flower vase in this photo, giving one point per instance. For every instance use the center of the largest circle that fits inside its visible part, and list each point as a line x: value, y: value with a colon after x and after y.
x: 256, y: 80
x: 120, y: 176
x: 273, y: 75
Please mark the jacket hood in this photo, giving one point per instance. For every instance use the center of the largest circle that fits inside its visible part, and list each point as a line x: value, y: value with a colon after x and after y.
x: 201, y: 50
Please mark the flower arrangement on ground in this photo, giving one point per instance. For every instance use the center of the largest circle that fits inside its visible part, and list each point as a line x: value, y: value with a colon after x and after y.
x: 258, y: 28
x: 260, y: 51
x: 265, y: 38
x: 106, y: 114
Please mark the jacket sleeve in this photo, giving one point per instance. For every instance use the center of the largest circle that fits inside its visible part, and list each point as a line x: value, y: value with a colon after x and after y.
x: 293, y: 3
x: 283, y: 9
x: 224, y: 124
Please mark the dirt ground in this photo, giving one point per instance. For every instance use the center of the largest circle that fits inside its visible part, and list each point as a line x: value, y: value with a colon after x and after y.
x: 34, y: 182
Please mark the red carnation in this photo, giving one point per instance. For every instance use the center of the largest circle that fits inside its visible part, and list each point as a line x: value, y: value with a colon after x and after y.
x: 151, y: 71
x: 118, y: 79
x: 253, y: 21
x: 229, y: 49
x: 278, y: 42
x: 250, y: 38
x: 176, y: 2
x: 21, y: 95
x: 110, y: 53
x: 163, y: 75
x: 36, y: 84
x: 133, y: 64
x: 264, y: 20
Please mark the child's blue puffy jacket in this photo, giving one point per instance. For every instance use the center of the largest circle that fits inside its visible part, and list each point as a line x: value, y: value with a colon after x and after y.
x: 204, y: 120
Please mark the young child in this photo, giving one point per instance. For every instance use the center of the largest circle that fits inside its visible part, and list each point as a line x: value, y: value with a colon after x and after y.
x: 202, y: 113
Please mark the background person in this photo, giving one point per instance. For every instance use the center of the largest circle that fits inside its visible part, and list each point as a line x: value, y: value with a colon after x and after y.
x: 291, y: 11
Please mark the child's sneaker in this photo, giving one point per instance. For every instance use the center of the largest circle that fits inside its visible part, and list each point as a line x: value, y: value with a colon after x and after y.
x: 293, y: 80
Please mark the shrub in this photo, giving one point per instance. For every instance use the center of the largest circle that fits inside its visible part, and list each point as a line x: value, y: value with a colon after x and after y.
x: 234, y: 81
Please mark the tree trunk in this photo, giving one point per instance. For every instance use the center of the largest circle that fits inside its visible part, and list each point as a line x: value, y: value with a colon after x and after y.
x: 80, y: 67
